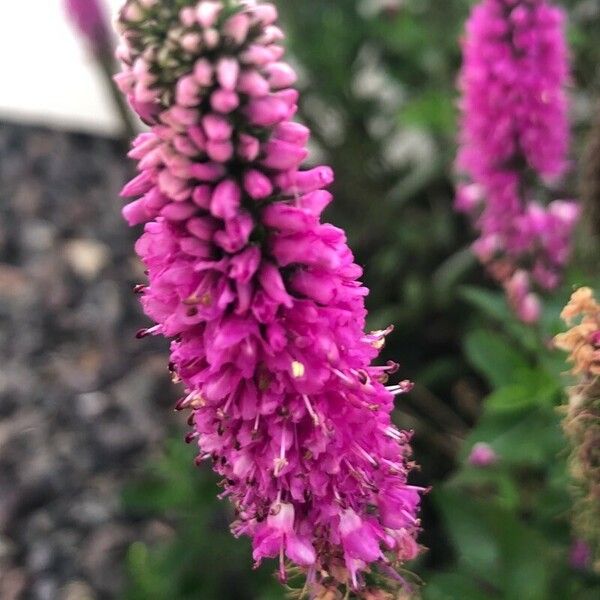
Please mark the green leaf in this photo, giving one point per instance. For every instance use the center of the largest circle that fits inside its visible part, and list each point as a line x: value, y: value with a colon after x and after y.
x: 146, y: 581
x: 465, y: 519
x: 493, y: 304
x: 494, y: 546
x: 510, y: 398
x: 532, y: 437
x: 532, y: 387
x: 430, y: 110
x: 494, y: 357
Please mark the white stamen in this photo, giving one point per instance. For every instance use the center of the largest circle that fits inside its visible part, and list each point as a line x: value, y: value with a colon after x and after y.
x: 342, y: 376
x: 366, y: 455
x: 280, y: 462
x: 311, y: 410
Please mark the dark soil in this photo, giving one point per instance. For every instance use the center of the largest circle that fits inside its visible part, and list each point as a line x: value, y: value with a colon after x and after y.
x: 82, y: 402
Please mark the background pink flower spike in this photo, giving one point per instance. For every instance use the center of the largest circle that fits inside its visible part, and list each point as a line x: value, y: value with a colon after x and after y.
x: 91, y: 21
x: 514, y: 123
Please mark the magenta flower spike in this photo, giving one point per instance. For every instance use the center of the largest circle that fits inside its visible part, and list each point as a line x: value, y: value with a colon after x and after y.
x: 90, y: 19
x: 515, y: 131
x: 261, y: 299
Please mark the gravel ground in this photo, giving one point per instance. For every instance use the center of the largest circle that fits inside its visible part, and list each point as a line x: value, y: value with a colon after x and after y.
x: 82, y: 402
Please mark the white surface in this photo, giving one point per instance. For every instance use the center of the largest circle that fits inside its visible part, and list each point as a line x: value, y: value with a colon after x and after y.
x: 48, y: 75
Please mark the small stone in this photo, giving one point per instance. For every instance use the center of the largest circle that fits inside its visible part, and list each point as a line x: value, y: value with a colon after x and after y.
x: 45, y: 589
x: 40, y: 557
x: 7, y: 549
x: 92, y: 404
x: 86, y: 257
x: 77, y: 590
x: 13, y: 282
x: 12, y: 584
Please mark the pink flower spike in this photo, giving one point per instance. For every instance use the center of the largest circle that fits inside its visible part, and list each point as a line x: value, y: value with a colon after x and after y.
x: 580, y: 556
x: 514, y: 140
x: 272, y: 34
x: 262, y: 301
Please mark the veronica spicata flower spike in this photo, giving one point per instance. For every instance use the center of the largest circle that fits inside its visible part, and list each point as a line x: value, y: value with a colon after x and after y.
x: 261, y: 299
x: 514, y: 137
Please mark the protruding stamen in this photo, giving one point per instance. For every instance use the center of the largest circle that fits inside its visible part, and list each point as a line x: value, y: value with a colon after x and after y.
x: 362, y: 452
x: 280, y: 462
x: 402, y: 388
x: 142, y: 333
x: 394, y: 434
x: 311, y: 410
x: 193, y: 400
x: 190, y: 437
x: 343, y: 377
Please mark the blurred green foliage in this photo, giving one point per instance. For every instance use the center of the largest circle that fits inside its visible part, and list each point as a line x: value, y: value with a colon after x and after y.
x: 508, y: 524
x: 199, y: 559
x: 379, y: 94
